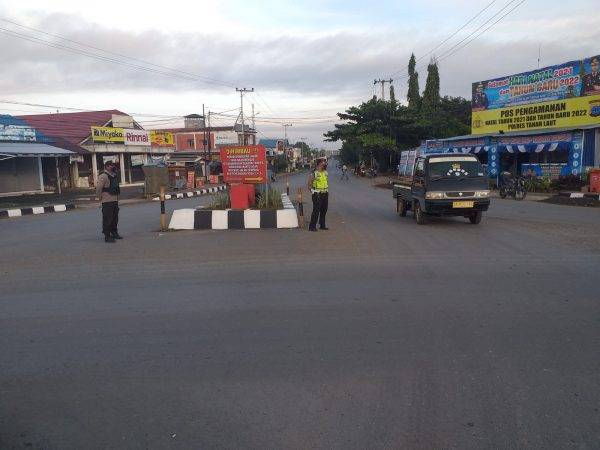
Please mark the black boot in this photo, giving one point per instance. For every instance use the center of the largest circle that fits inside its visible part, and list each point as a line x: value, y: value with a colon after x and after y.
x: 116, y: 235
x: 109, y: 238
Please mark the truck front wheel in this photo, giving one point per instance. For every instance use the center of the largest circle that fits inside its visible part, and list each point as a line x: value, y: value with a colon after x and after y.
x: 419, y: 214
x: 401, y: 207
x: 475, y: 217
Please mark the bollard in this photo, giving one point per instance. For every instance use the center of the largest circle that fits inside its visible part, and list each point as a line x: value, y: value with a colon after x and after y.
x: 163, y: 217
x: 287, y: 184
x: 300, y: 209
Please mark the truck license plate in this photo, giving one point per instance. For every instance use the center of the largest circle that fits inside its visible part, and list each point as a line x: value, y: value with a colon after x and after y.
x: 462, y: 204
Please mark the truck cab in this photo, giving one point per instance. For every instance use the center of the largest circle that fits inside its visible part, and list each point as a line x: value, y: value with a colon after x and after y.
x: 444, y: 185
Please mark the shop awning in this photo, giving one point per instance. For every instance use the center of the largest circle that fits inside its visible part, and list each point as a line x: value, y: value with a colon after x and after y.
x: 175, y: 158
x: 535, y: 148
x: 27, y: 149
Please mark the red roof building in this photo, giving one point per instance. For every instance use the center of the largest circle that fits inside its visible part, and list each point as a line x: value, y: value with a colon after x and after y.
x: 69, y: 130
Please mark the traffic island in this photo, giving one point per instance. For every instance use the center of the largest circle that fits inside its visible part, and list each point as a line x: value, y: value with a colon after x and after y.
x: 235, y: 219
x: 35, y: 210
x: 195, y: 193
x: 587, y: 199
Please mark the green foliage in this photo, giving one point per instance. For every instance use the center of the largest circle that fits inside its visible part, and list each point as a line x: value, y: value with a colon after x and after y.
x: 431, y: 95
x: 280, y: 163
x: 350, y: 153
x: 221, y: 201
x: 538, y: 184
x: 392, y: 94
x: 270, y: 201
x: 413, y: 96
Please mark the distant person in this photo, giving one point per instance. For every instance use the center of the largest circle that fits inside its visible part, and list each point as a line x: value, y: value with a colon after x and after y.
x: 108, y: 190
x: 345, y: 172
x: 480, y: 100
x: 591, y: 81
x: 318, y: 185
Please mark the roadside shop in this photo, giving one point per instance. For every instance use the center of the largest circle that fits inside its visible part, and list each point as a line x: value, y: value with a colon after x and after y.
x: 544, y: 122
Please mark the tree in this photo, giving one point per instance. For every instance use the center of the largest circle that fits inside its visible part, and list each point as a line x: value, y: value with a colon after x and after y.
x: 413, y: 96
x: 378, y: 129
x: 431, y: 95
x: 392, y: 94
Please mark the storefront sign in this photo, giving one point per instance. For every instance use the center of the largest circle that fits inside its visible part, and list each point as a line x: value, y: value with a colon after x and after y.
x: 20, y: 133
x: 566, y: 95
x: 137, y: 137
x: 162, y: 138
x: 226, y: 137
x: 244, y: 164
x: 108, y: 134
x: 549, y: 170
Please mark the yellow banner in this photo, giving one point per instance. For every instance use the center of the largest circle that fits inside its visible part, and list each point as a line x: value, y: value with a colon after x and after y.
x: 108, y: 134
x: 570, y: 112
x: 162, y: 138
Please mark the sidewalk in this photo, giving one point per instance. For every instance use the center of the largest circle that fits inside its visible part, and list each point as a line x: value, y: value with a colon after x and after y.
x: 78, y: 196
x: 84, y: 197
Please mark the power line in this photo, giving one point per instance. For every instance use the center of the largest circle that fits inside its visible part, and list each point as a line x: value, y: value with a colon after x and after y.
x: 451, y: 36
x: 82, y: 44
x: 496, y: 14
x: 443, y: 57
x: 89, y: 54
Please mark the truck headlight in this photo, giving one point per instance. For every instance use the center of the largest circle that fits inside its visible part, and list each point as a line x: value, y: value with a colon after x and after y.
x: 435, y: 195
x: 482, y: 194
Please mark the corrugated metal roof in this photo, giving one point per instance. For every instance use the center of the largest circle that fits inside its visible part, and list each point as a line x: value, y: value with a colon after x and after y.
x: 23, y: 149
x: 69, y: 129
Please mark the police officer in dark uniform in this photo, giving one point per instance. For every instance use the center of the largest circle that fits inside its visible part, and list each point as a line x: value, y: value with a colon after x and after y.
x: 591, y: 81
x: 480, y: 100
x: 108, y: 190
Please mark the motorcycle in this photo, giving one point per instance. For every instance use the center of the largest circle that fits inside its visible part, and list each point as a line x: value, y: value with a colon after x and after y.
x: 513, y: 187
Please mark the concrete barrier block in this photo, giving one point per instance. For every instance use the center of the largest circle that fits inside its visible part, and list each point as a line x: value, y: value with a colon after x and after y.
x: 287, y: 218
x: 219, y: 220
x: 252, y: 218
x: 182, y: 219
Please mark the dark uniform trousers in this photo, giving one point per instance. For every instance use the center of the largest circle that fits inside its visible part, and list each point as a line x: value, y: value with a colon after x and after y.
x: 320, y: 202
x: 110, y: 217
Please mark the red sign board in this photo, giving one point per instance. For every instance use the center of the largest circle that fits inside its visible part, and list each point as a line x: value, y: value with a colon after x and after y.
x: 244, y: 164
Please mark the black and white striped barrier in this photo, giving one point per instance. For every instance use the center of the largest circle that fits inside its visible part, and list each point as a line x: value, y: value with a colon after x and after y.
x: 196, y: 193
x: 580, y: 195
x: 35, y: 210
x: 205, y: 219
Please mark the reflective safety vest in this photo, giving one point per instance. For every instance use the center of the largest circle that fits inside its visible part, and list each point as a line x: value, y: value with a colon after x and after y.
x: 320, y: 183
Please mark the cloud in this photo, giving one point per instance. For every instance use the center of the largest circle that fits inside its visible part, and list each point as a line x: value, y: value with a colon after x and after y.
x: 296, y: 70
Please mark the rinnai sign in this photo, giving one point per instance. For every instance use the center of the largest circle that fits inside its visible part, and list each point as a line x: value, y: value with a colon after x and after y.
x: 137, y: 137
x: 112, y: 135
x: 244, y: 164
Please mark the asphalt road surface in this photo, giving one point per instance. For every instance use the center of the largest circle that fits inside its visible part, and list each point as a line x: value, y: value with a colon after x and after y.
x: 377, y: 334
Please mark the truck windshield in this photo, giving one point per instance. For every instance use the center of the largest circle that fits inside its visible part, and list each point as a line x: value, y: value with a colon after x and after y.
x: 454, y: 168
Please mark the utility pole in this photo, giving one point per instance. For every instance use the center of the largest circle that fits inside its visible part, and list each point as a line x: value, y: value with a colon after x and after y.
x: 204, y: 145
x: 253, y: 121
x: 242, y: 92
x: 382, y: 82
x: 285, y: 127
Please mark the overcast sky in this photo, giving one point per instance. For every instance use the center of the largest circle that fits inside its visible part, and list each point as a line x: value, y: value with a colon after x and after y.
x: 307, y: 59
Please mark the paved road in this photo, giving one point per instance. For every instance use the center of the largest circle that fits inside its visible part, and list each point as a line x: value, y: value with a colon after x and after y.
x: 376, y: 334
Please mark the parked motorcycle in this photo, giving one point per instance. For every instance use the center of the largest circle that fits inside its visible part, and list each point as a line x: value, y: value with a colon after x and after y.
x: 512, y: 187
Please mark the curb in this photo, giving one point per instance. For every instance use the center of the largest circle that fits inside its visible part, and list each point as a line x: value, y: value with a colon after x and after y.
x: 195, y: 193
x: 232, y: 219
x: 35, y: 210
x: 579, y: 195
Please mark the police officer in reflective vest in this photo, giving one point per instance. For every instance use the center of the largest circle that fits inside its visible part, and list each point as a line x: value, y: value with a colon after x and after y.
x: 108, y: 190
x: 319, y: 185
